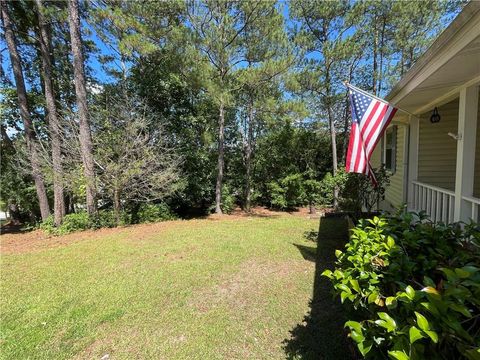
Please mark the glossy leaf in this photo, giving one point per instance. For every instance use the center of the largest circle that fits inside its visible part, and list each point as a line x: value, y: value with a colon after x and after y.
x: 414, y: 334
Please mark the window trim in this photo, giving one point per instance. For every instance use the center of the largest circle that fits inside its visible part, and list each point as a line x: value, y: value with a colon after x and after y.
x: 394, y: 130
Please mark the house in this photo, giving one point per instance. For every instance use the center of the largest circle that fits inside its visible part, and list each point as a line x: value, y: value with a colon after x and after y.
x: 435, y: 166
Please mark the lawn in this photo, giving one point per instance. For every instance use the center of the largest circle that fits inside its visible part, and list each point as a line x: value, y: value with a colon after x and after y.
x: 228, y: 288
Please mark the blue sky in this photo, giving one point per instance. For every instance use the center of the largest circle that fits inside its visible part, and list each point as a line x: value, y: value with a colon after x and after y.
x: 98, y: 70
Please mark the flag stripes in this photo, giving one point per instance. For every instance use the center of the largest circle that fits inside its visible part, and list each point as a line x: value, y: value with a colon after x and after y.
x: 370, y: 118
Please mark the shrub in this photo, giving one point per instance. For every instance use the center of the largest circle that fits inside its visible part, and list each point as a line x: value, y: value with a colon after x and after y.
x: 287, y: 193
x: 71, y: 222
x: 415, y: 287
x: 357, y: 191
x: 277, y: 195
x: 106, y: 219
x: 228, y: 200
x: 154, y: 212
x: 312, y: 192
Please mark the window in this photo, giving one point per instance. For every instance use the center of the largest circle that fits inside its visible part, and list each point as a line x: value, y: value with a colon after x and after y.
x: 390, y: 152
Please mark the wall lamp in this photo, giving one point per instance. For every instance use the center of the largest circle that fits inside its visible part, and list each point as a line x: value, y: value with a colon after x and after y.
x: 435, y: 117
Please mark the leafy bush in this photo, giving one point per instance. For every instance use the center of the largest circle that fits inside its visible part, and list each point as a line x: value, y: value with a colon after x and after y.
x: 287, y: 193
x: 155, y: 212
x: 228, y: 200
x: 415, y: 286
x: 357, y: 191
x: 71, y: 222
x: 312, y: 192
x: 106, y: 219
x: 277, y: 195
x: 328, y: 184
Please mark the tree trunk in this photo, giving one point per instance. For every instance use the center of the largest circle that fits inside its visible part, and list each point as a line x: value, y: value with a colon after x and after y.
x: 248, y: 157
x: 53, y: 120
x: 81, y: 95
x: 24, y: 113
x: 333, y: 137
x: 221, y: 150
x: 116, y: 205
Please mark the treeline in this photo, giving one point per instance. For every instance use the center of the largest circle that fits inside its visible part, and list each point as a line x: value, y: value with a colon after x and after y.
x: 197, y: 105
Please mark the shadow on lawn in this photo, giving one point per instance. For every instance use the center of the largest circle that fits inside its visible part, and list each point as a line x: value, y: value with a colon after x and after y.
x: 10, y: 228
x: 321, y: 335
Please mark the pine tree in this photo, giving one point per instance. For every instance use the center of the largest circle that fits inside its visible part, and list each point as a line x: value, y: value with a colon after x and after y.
x: 218, y: 27
x: 32, y: 146
x: 52, y: 113
x: 81, y: 96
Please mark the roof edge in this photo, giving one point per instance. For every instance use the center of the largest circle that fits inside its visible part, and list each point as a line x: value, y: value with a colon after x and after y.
x: 467, y: 13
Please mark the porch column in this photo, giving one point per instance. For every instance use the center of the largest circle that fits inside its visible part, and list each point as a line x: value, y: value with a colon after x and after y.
x: 412, y: 159
x: 467, y: 132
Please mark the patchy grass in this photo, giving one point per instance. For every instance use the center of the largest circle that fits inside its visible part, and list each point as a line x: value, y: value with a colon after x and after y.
x: 229, y: 288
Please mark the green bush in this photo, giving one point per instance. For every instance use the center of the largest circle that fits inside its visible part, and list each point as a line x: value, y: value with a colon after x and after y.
x: 415, y: 287
x: 287, y: 193
x: 228, y: 200
x: 106, y: 219
x: 154, y: 212
x: 277, y: 195
x: 357, y: 191
x: 71, y: 222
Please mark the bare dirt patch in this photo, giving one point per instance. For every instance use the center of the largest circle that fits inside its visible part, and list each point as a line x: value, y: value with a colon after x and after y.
x: 241, y: 289
x: 265, y: 212
x: 39, y: 240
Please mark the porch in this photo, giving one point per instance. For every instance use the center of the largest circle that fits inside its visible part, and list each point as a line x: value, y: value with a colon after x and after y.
x: 444, y: 161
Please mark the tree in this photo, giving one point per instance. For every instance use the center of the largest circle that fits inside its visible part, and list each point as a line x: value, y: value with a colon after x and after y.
x: 326, y: 35
x: 217, y: 27
x: 136, y: 162
x: 81, y: 97
x: 24, y: 112
x: 52, y: 113
x: 267, y: 57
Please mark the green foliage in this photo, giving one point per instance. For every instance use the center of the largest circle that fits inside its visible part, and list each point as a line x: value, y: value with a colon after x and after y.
x: 155, y: 212
x: 312, y: 190
x: 228, y: 200
x: 287, y: 193
x: 357, y: 190
x: 71, y: 223
x: 329, y: 183
x: 106, y: 219
x: 415, y: 286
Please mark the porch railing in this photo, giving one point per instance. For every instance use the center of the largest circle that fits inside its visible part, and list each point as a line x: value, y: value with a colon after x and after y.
x: 475, y: 204
x: 438, y: 203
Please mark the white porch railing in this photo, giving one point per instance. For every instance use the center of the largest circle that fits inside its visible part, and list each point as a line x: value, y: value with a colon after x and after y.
x: 475, y: 203
x: 438, y: 203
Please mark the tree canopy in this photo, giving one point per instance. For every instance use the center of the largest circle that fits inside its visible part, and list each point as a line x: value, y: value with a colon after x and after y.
x: 198, y: 105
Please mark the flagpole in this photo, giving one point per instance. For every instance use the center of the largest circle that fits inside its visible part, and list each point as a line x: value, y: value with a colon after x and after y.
x: 376, y: 97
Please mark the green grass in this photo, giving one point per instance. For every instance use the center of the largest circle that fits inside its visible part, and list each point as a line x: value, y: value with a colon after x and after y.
x: 199, y: 289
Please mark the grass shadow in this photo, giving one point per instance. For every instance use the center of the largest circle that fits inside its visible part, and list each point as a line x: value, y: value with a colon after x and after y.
x: 311, y: 235
x: 308, y: 252
x: 10, y: 228
x: 322, y: 335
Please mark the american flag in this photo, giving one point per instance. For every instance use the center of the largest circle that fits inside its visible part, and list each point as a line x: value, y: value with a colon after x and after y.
x: 370, y: 118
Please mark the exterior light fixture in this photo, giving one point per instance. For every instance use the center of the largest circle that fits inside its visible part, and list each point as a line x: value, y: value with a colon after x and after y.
x: 435, y: 117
